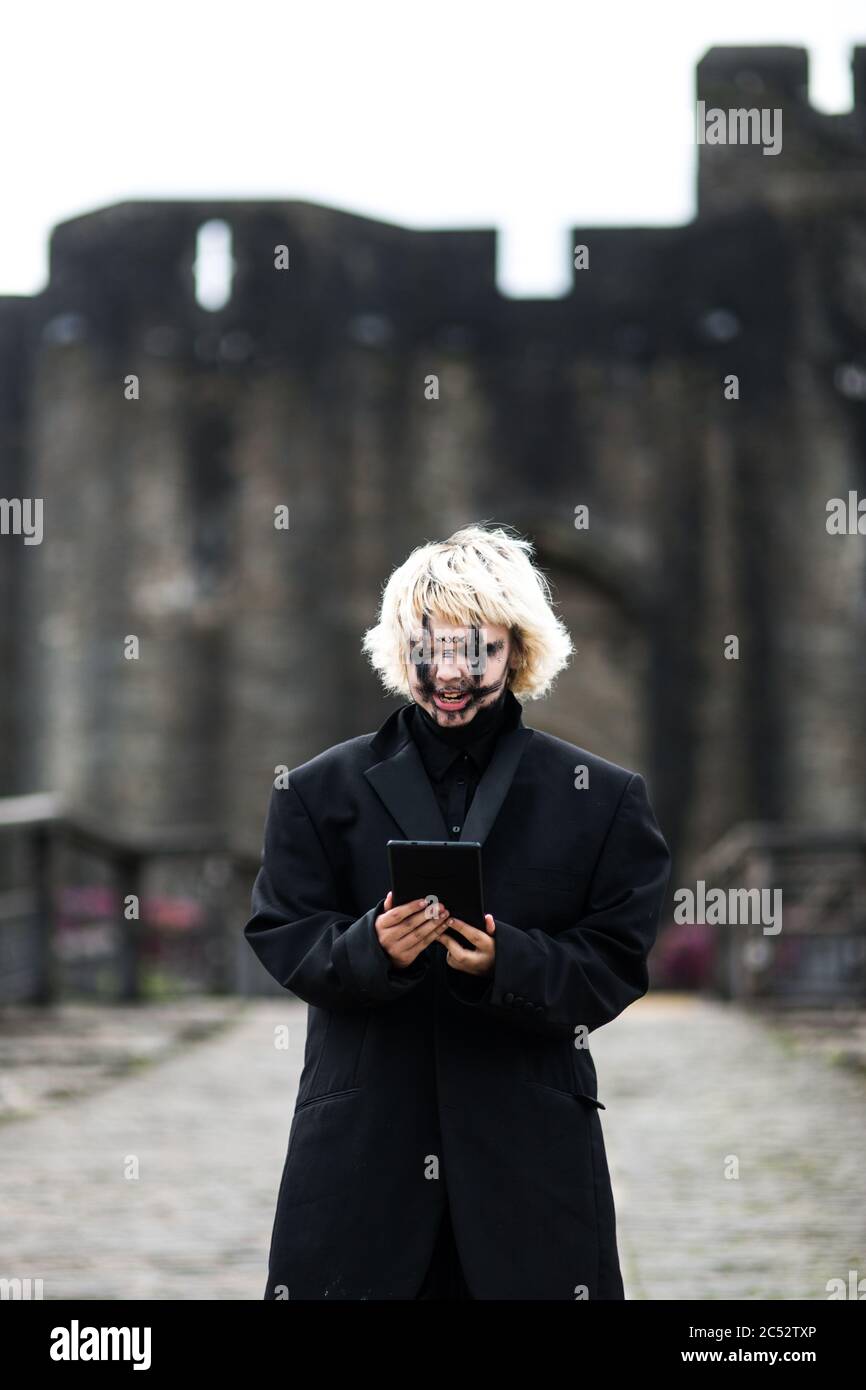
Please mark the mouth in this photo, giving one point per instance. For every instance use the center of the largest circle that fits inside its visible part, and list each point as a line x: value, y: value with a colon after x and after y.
x: 443, y: 700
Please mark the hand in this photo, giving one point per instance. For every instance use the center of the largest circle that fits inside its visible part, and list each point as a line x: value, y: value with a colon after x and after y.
x: 404, y: 931
x: 477, y: 962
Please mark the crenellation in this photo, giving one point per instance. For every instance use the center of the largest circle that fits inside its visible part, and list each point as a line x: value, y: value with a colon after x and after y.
x: 306, y: 390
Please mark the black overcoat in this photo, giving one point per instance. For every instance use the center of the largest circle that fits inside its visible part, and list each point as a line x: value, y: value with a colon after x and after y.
x: 425, y: 1085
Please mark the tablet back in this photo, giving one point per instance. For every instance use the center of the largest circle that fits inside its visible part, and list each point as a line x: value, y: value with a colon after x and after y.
x: 448, y: 869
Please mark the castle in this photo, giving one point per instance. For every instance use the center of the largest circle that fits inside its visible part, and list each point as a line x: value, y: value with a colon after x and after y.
x: 307, y: 390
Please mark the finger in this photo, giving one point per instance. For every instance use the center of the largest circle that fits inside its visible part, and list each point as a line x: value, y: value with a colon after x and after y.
x: 458, y: 957
x: 479, y: 963
x: 415, y: 942
x: 431, y: 930
x: 471, y: 933
x: 491, y: 925
x: 425, y: 928
x: 402, y: 930
x: 394, y: 916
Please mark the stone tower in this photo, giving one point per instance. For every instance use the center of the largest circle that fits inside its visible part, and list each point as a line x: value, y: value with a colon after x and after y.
x: 707, y: 515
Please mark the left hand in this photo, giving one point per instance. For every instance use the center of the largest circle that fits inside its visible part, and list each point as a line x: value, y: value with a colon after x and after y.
x: 477, y: 962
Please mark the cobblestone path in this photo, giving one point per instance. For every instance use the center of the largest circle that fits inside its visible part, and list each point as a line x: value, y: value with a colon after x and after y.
x: 693, y: 1090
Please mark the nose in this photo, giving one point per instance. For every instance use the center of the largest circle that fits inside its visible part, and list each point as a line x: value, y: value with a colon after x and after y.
x: 451, y: 667
x: 449, y: 672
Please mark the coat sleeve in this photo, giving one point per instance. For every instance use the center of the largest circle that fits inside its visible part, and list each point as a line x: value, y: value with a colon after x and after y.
x: 586, y: 975
x: 325, y: 957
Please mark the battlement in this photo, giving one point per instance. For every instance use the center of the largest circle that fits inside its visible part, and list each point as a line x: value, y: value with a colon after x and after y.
x: 809, y: 148
x: 762, y: 74
x: 308, y: 387
x: 753, y: 76
x: 130, y: 269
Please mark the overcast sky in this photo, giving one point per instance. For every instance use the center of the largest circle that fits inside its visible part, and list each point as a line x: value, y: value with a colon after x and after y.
x: 462, y: 113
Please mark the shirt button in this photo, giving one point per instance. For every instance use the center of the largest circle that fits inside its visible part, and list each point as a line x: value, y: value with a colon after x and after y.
x: 456, y: 829
x: 461, y: 781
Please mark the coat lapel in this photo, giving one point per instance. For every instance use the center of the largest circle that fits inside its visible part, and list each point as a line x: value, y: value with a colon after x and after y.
x: 402, y: 785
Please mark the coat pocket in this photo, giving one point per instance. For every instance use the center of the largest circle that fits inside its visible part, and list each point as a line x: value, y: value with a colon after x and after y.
x: 329, y: 1095
x: 556, y: 1064
x: 334, y: 1047
x: 562, y: 1123
x: 569, y: 1095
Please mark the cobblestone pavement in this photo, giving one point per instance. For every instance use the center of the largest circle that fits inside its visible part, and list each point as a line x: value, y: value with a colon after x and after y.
x: 208, y: 1127
x: 75, y: 1049
x: 687, y: 1083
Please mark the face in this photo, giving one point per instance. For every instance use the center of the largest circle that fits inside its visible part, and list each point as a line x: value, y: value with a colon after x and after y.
x: 456, y: 671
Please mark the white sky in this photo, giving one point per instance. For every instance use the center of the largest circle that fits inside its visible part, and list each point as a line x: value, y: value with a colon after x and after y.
x: 461, y: 113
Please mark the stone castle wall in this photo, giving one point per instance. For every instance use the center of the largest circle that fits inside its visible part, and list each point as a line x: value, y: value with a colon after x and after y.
x: 307, y: 389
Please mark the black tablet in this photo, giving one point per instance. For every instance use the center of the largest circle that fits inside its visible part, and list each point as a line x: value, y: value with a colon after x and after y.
x: 449, y: 870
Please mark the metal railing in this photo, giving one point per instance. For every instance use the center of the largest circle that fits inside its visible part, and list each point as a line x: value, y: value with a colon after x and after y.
x: 817, y: 956
x: 88, y: 909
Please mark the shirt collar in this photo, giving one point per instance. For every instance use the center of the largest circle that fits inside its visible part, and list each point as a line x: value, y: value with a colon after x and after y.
x: 438, y: 755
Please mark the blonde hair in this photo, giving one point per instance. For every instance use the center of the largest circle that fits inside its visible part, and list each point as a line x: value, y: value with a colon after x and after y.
x: 478, y: 576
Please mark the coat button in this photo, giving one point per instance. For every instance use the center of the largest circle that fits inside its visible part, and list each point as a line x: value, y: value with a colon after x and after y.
x: 539, y: 1008
x: 528, y: 1004
x: 508, y: 998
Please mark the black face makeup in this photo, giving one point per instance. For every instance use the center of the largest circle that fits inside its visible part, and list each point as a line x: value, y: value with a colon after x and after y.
x: 456, y: 671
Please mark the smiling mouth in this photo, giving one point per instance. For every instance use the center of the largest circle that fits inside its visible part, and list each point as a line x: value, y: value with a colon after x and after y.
x: 448, y: 701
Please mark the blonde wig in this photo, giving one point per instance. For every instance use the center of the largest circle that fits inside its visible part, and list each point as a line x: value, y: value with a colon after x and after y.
x: 478, y: 576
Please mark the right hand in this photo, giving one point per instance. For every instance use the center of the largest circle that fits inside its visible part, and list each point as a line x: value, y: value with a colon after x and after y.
x: 405, y: 931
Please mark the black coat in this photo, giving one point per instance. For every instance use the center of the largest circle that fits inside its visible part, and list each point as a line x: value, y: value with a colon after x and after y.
x: 421, y: 1080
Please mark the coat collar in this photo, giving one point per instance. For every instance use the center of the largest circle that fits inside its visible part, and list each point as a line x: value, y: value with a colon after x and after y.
x: 400, y: 781
x: 438, y: 754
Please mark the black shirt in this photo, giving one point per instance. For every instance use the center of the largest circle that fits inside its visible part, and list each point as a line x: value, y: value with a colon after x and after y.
x: 456, y: 759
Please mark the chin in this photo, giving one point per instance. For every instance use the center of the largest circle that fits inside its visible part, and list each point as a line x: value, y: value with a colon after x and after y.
x: 433, y: 708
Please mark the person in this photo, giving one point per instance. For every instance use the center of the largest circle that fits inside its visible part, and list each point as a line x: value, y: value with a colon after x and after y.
x: 446, y: 1141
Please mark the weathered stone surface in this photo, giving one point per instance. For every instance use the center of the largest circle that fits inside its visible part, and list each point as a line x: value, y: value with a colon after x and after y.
x: 307, y: 389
